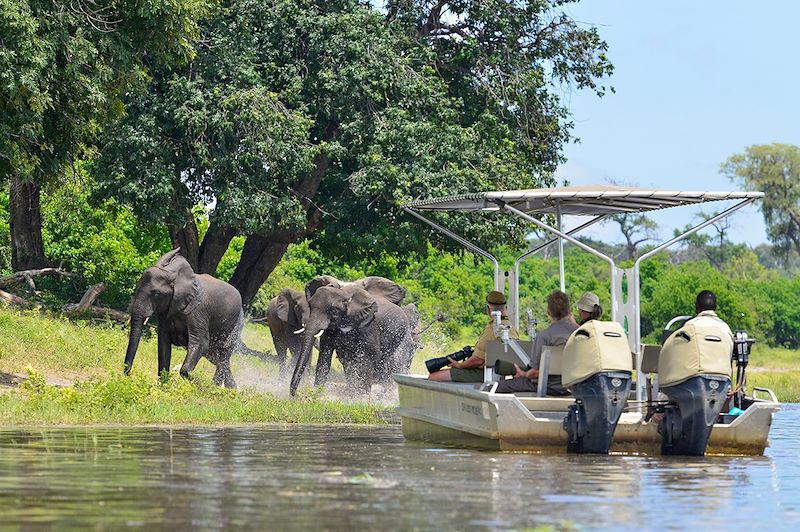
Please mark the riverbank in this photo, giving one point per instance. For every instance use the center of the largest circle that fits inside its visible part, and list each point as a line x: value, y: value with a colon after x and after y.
x: 59, y: 372
x: 54, y: 371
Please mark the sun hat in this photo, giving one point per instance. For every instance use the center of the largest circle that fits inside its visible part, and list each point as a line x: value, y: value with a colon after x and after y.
x: 587, y: 302
x: 496, y: 298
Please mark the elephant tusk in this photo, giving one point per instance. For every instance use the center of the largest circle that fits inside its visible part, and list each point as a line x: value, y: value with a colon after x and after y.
x: 319, y: 334
x: 298, y: 331
x: 146, y: 320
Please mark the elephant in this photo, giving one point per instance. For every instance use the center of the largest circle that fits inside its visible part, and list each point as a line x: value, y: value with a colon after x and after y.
x: 389, y: 290
x: 286, y: 314
x: 371, y: 335
x: 198, y: 312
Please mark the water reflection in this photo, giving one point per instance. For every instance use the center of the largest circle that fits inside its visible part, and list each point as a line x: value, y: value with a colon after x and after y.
x: 305, y: 477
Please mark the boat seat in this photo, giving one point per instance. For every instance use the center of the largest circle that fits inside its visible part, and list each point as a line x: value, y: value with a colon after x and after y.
x: 548, y: 362
x: 496, y: 351
x: 650, y: 354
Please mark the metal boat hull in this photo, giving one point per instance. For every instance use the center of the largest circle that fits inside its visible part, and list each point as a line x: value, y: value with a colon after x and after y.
x: 460, y: 415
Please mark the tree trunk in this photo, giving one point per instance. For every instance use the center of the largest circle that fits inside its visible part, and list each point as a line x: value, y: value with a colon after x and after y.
x: 186, y: 238
x: 27, y: 249
x: 214, y: 246
x: 262, y: 253
x: 259, y: 257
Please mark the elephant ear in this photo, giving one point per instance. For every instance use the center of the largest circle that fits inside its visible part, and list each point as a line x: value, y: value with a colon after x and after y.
x: 282, y: 303
x: 165, y: 259
x: 381, y: 286
x: 300, y: 304
x: 361, y: 307
x: 187, y: 290
x: 318, y: 282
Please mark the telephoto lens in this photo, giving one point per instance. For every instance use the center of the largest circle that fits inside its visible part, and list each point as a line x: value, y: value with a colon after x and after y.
x: 435, y: 364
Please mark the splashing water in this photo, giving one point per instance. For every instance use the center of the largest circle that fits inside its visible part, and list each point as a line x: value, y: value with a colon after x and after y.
x: 256, y: 376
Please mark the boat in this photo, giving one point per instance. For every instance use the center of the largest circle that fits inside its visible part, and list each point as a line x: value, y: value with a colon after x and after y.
x: 618, y: 404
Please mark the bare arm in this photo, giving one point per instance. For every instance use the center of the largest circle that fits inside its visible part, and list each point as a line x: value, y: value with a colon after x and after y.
x: 471, y: 362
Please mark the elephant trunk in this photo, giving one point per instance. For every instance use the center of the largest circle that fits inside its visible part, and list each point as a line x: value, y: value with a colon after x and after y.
x: 137, y: 322
x: 304, y: 360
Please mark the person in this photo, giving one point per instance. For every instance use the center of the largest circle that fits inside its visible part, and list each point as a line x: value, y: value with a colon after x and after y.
x: 705, y: 309
x: 588, y: 308
x: 562, y: 325
x: 471, y: 369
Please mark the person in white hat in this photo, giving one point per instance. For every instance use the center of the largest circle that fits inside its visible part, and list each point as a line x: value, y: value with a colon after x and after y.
x: 588, y: 307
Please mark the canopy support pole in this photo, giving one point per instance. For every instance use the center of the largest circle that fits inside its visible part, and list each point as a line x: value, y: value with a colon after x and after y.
x: 562, y: 281
x: 498, y: 281
x: 529, y: 253
x: 568, y: 238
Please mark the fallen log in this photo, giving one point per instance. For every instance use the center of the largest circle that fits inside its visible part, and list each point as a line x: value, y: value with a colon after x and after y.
x: 103, y: 313
x: 14, y: 300
x: 85, y: 306
x: 27, y: 276
x: 87, y: 299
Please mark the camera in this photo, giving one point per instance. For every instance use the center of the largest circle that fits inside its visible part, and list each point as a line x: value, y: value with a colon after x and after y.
x: 435, y: 364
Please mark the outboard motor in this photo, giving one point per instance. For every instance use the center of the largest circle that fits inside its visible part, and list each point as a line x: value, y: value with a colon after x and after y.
x: 596, y: 369
x: 695, y: 373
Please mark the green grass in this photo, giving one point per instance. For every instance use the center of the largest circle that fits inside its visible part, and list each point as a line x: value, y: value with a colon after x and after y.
x: 138, y: 400
x: 74, y: 372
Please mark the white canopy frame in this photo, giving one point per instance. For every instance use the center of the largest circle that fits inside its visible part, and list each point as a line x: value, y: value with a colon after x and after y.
x: 596, y: 200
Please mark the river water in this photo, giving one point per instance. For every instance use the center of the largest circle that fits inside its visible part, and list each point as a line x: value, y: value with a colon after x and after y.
x: 370, y: 478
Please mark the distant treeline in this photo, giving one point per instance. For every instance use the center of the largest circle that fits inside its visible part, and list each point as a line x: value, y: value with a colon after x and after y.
x: 107, y: 244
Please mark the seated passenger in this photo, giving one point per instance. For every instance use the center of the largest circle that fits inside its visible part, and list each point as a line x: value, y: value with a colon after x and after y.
x: 561, y: 327
x: 589, y: 308
x: 705, y: 307
x: 471, y: 369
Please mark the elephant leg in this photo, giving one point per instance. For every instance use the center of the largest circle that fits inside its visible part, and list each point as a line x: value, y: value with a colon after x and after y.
x: 280, y: 349
x: 223, y: 375
x: 358, y: 373
x: 373, y: 357
x: 198, y: 347
x: 164, y: 348
x: 294, y: 342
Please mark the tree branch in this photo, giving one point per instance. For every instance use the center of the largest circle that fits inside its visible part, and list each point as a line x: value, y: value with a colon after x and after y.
x: 14, y: 300
x: 28, y: 275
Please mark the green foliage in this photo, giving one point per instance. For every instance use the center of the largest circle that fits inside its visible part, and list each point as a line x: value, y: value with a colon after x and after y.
x: 103, y: 243
x: 675, y: 291
x: 63, y: 71
x: 318, y: 117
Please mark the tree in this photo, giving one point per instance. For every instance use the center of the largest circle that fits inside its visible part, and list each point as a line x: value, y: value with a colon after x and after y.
x: 716, y: 249
x: 775, y: 170
x: 311, y: 118
x: 636, y: 228
x: 63, y: 69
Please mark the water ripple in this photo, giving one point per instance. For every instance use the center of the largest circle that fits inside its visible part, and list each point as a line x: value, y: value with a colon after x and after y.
x: 303, y: 477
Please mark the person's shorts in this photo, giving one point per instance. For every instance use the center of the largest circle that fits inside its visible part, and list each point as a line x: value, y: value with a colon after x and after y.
x: 466, y: 375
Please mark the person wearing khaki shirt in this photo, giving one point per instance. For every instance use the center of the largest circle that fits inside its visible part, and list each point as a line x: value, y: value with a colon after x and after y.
x: 471, y: 369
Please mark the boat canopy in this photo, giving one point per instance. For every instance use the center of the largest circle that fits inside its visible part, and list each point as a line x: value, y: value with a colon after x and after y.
x: 598, y: 201
x: 582, y: 200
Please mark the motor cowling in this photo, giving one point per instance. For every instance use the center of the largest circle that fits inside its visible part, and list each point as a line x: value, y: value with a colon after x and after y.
x: 596, y: 369
x: 694, y: 372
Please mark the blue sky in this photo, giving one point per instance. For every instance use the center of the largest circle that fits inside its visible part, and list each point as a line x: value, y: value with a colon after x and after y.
x: 696, y: 82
